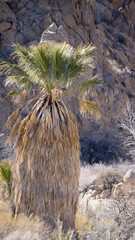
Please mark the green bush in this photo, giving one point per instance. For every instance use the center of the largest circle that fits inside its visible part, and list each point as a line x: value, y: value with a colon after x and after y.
x: 6, y: 176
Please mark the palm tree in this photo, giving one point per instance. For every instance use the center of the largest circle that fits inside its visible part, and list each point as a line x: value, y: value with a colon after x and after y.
x: 47, y: 165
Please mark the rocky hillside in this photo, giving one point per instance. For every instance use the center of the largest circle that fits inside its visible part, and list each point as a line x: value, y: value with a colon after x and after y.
x: 110, y: 26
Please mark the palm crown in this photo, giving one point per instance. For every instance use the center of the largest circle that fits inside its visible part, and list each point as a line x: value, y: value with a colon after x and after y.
x: 49, y: 66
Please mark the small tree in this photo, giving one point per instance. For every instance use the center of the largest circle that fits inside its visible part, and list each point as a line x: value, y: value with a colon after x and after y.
x: 127, y: 125
x: 47, y: 165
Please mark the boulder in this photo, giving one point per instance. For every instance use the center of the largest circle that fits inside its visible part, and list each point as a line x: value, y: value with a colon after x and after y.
x: 8, y: 38
x: 32, y: 43
x: 29, y: 34
x: 98, y: 207
x: 105, y: 194
x: 118, y: 189
x: 52, y: 28
x: 20, y: 38
x: 30, y: 5
x: 63, y: 33
x: 129, y: 176
x: 6, y: 13
x: 70, y: 21
x: 21, y: 12
x: 127, y: 187
x: 4, y: 26
x: 54, y: 33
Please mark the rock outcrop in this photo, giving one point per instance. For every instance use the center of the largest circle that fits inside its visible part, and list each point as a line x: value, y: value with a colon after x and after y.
x: 109, y: 202
x: 109, y: 25
x: 110, y: 184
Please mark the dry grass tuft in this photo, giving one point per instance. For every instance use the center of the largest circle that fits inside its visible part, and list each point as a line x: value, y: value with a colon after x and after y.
x: 9, y: 224
x: 83, y: 223
x: 27, y: 228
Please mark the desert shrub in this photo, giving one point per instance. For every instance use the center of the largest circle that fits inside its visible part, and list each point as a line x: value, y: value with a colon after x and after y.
x: 127, y: 134
x: 6, y: 177
x: 102, y: 151
x: 107, y: 180
x: 128, y: 127
x: 125, y: 216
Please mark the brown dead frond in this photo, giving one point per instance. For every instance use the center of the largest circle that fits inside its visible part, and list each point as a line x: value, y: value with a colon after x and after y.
x: 12, y: 118
x: 47, y: 163
x: 89, y: 109
x: 14, y: 130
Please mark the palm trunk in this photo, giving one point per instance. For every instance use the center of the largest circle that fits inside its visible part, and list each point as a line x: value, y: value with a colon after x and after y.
x: 47, y: 165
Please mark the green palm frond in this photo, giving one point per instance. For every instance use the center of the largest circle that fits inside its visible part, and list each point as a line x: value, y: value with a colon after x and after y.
x: 6, y: 175
x: 14, y: 91
x: 17, y: 75
x: 90, y: 83
x: 80, y: 60
x: 82, y: 87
